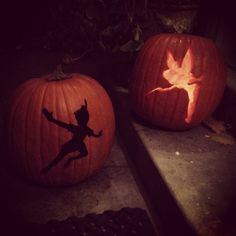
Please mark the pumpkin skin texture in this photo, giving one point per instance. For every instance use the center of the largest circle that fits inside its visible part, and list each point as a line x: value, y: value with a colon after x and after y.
x: 35, y: 141
x: 178, y: 80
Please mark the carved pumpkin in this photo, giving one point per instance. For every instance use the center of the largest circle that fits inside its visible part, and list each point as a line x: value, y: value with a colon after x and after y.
x: 178, y: 80
x: 60, y: 132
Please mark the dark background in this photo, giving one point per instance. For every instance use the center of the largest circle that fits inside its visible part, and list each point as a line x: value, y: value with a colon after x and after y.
x: 25, y: 21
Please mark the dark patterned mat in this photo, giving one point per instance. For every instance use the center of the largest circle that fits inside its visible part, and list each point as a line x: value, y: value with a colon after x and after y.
x: 125, y: 222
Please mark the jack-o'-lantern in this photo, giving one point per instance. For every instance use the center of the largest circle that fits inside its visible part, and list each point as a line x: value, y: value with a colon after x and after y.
x: 178, y: 80
x: 60, y: 130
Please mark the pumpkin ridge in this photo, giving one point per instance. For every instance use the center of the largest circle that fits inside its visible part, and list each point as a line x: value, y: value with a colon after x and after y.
x: 204, y: 65
x: 12, y: 130
x: 137, y: 68
x: 77, y: 80
x: 147, y: 73
x: 54, y: 129
x: 91, y: 161
x: 13, y: 106
x: 48, y: 129
x: 80, y: 82
x: 69, y: 107
x: 64, y: 116
x: 142, y: 72
x: 40, y: 125
x: 26, y: 131
x: 34, y: 115
x: 98, y: 113
x: 156, y: 76
x: 165, y: 114
x: 162, y: 62
x: 143, y: 78
x: 201, y: 97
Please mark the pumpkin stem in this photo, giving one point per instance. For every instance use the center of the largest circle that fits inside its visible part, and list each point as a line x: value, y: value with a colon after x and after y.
x: 58, y: 74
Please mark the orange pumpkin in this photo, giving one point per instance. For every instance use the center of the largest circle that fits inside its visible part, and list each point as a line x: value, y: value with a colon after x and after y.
x: 60, y: 132
x: 178, y: 80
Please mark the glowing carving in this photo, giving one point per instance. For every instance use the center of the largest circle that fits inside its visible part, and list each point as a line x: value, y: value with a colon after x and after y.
x: 181, y: 77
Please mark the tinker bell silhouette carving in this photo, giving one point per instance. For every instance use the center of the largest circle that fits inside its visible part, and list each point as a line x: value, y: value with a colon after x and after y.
x: 181, y: 77
x: 79, y: 132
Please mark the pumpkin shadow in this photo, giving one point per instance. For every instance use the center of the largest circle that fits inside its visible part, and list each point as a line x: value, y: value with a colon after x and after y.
x: 76, y: 143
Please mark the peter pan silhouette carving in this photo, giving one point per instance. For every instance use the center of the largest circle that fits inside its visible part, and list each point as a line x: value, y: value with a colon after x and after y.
x: 76, y: 143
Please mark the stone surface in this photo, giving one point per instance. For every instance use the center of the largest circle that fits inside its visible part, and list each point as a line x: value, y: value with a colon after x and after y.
x: 200, y: 173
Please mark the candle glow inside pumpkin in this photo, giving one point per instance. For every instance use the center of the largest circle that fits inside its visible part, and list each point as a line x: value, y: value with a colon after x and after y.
x: 179, y: 75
